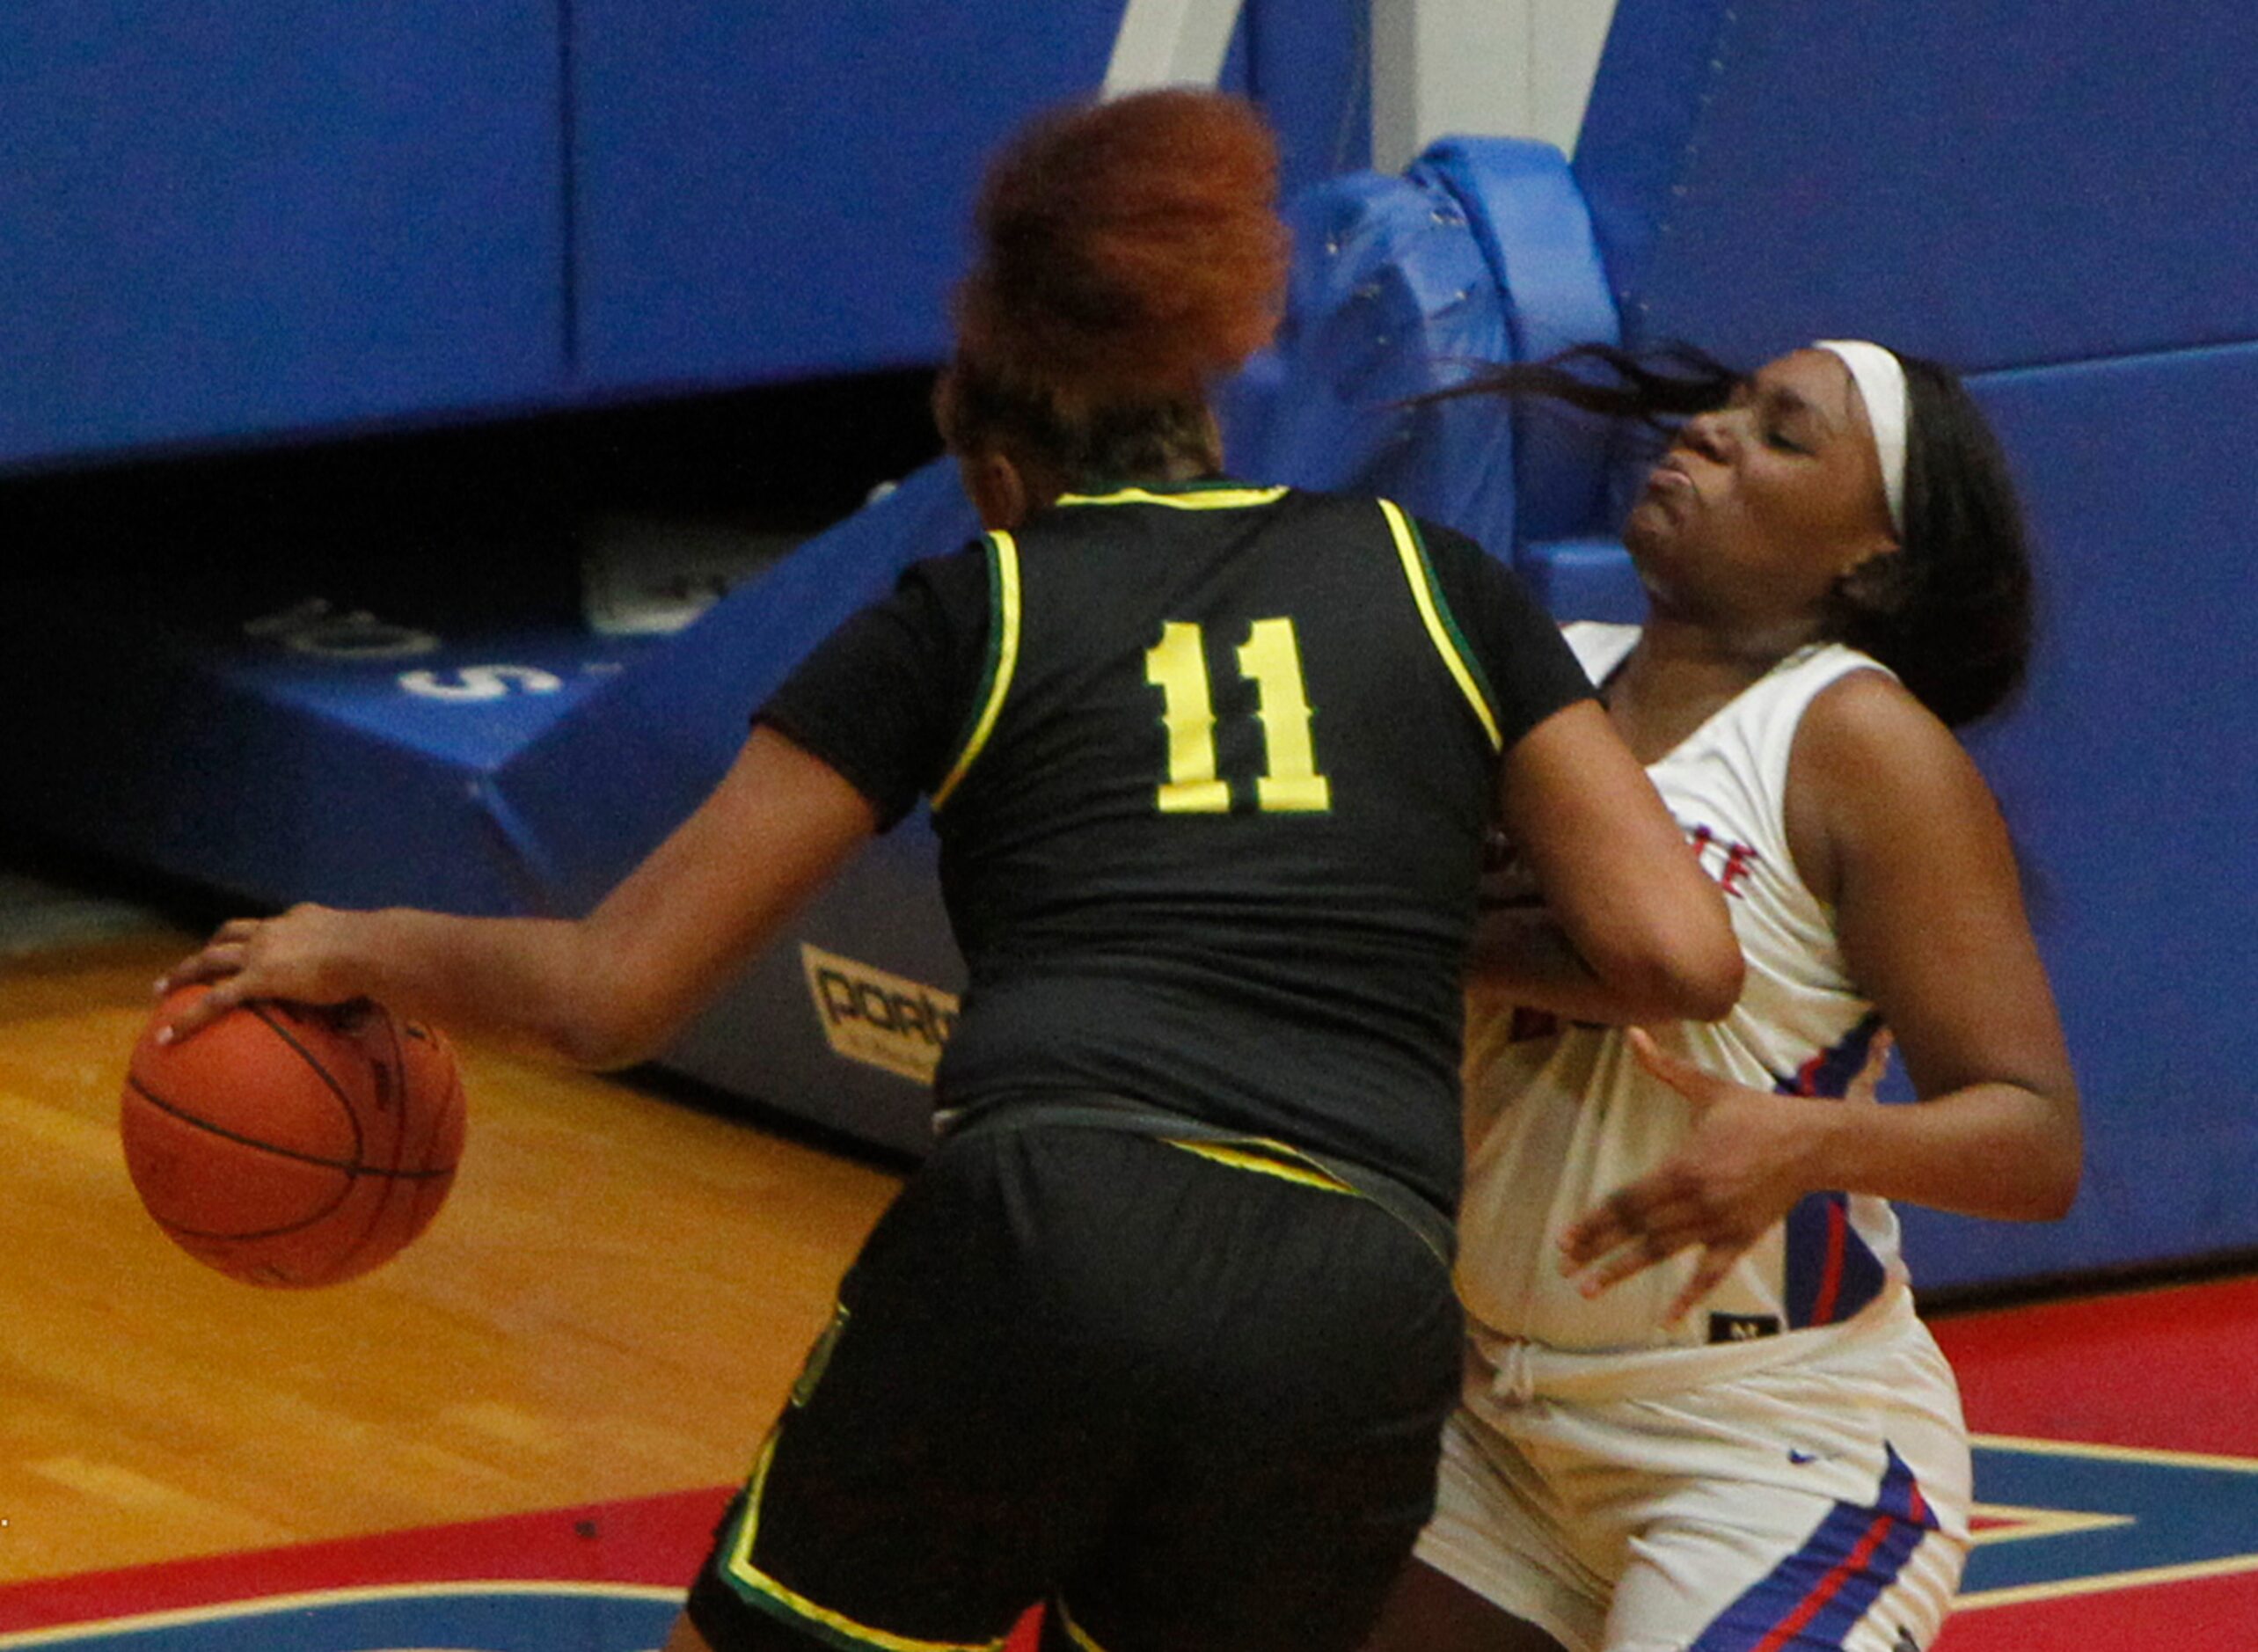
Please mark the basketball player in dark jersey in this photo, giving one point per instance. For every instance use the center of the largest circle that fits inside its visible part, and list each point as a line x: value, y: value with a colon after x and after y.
x: 1162, y: 1333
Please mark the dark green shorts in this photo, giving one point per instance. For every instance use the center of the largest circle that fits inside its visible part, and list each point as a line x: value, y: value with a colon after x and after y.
x: 1191, y: 1404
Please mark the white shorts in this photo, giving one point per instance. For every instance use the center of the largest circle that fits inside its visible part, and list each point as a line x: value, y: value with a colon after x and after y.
x: 1788, y: 1498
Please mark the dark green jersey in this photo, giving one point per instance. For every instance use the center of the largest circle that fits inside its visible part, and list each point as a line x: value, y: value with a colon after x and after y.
x: 1212, y: 802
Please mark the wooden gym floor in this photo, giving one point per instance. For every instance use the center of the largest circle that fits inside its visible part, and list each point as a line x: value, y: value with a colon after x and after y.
x: 612, y: 1304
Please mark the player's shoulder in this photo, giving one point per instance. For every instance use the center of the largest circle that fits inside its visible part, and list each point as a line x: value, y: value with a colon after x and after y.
x: 1343, y: 515
x: 949, y: 594
x: 1457, y: 561
x: 1865, y: 716
x: 1866, y: 746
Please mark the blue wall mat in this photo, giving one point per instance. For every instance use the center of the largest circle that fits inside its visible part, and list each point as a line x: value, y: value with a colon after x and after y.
x: 516, y: 768
x: 1991, y: 182
x: 243, y: 764
x: 1481, y: 254
x: 2127, y: 777
x: 839, y: 1021
x: 1388, y: 297
x: 221, y: 221
x: 604, y: 784
x: 485, y: 768
x: 1528, y: 219
x: 1308, y: 65
x: 224, y: 223
x: 770, y: 191
x: 1589, y: 578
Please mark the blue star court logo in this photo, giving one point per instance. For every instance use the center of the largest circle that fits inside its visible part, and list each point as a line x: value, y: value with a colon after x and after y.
x: 2056, y: 1518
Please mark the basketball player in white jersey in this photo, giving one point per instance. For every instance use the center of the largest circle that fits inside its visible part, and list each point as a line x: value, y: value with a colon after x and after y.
x: 1699, y: 1414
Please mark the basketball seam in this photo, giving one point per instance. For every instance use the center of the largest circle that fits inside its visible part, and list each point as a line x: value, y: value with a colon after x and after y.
x: 353, y: 1168
x: 360, y: 1136
x: 396, y: 1074
x: 231, y: 1235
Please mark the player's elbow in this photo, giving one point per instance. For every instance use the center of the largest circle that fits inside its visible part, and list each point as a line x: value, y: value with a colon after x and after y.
x: 2055, y: 1202
x: 2031, y: 1164
x: 2051, y: 1183
x: 614, y: 1036
x: 1684, y: 966
x: 1712, y: 978
x: 2041, y: 1192
x: 601, y: 1023
x: 597, y: 1050
x: 1686, y: 983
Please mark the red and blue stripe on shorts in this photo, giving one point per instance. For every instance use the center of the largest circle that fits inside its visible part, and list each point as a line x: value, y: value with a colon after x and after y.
x: 1816, y: 1596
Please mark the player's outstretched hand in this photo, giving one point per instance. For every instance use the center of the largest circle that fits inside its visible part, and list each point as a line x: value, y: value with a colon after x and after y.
x: 1746, y: 1161
x: 299, y: 956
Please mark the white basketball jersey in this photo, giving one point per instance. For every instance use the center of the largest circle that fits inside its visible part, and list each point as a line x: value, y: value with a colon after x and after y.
x: 1559, y: 1116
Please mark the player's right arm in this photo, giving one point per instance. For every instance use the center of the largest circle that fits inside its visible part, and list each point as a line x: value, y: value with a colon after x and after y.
x: 1631, y: 928
x: 1627, y: 927
x: 604, y: 991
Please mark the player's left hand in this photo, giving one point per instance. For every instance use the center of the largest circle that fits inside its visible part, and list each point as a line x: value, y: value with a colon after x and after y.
x: 298, y: 955
x: 1748, y: 1157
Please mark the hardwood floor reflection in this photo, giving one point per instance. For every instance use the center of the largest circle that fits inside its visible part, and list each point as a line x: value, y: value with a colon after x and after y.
x: 612, y: 1304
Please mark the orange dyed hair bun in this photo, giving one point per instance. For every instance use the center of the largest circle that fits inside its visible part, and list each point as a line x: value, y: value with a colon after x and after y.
x: 1129, y: 251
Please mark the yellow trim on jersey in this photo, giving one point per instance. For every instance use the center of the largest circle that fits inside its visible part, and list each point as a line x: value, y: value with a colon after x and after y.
x: 1003, y: 653
x: 1263, y: 1161
x: 742, y: 1571
x: 1209, y: 499
x: 1422, y: 592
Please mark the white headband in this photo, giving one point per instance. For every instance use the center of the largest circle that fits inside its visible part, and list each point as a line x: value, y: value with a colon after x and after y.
x: 1881, y: 380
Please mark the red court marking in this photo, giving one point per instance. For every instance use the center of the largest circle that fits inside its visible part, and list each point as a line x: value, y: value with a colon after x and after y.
x: 654, y: 1540
x: 2168, y: 1369
x: 657, y: 1541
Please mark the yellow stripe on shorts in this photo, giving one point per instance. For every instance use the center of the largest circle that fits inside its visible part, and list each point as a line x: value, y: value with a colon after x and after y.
x: 748, y: 1576
x: 1263, y: 1162
x: 1075, y: 1632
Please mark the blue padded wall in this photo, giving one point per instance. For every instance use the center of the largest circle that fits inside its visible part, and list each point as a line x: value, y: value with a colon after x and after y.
x: 1481, y: 254
x: 779, y: 190
x: 593, y: 792
x: 226, y: 224
x: 223, y: 221
x: 605, y: 785
x: 1389, y: 296
x: 239, y: 763
x: 1992, y: 182
x: 773, y: 191
x: 2127, y: 776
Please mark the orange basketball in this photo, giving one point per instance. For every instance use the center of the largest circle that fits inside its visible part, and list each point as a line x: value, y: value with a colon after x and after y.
x: 286, y: 1145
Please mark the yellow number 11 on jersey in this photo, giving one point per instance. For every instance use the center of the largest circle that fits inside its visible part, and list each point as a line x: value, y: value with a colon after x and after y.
x: 1177, y: 665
